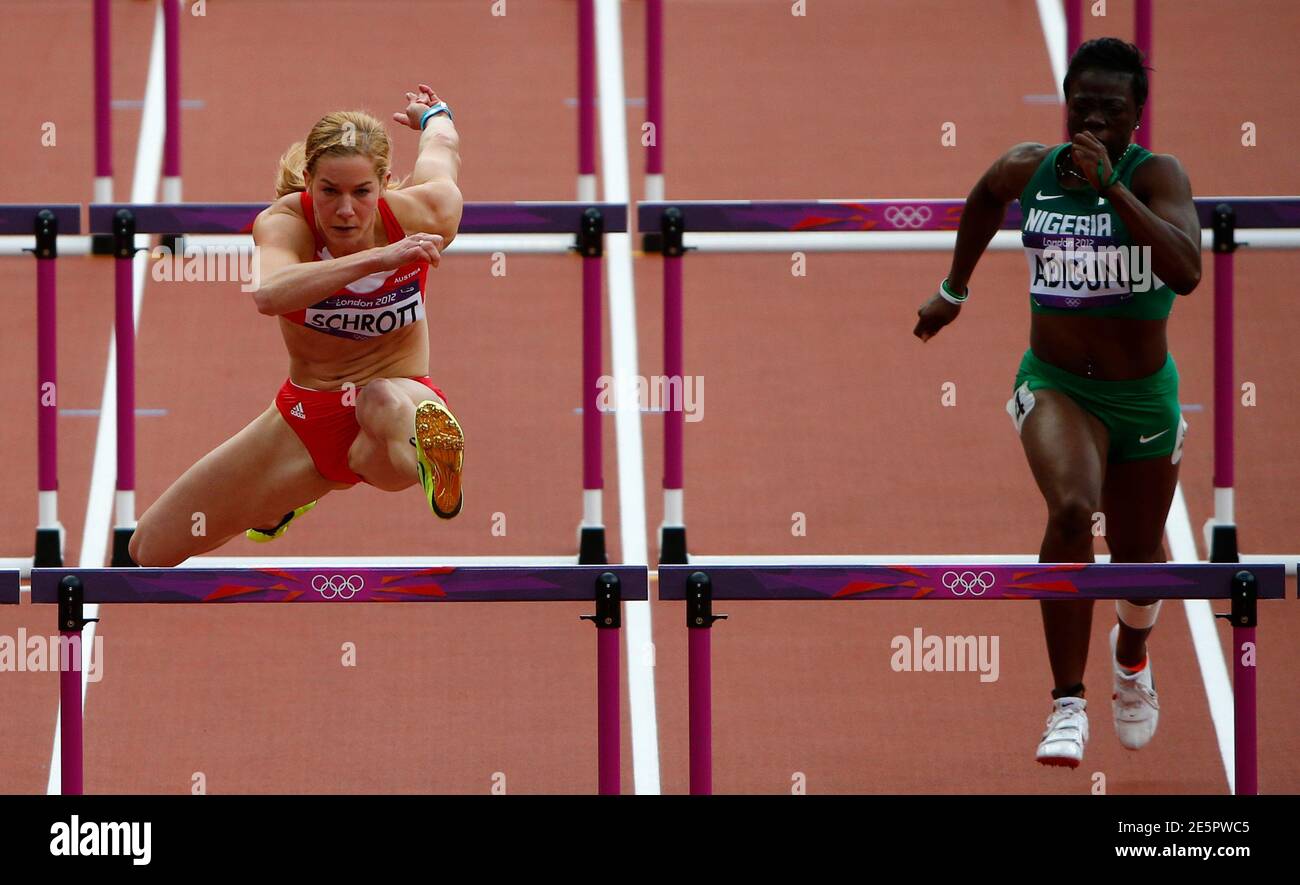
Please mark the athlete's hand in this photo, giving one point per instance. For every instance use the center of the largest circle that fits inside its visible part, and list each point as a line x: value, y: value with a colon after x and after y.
x: 1087, y: 151
x: 416, y: 104
x: 934, y: 315
x: 416, y: 247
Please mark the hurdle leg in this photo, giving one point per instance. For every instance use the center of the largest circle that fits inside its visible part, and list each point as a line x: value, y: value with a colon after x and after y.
x: 591, y: 533
x: 124, y: 325
x: 71, y: 622
x: 586, y: 101
x: 609, y: 735
x: 1221, y: 534
x: 672, y: 533
x: 1244, y: 651
x: 49, y: 532
x: 699, y: 624
x: 102, y: 244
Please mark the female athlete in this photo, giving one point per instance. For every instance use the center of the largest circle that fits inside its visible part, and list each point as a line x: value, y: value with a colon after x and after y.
x: 1111, y: 234
x: 344, y: 260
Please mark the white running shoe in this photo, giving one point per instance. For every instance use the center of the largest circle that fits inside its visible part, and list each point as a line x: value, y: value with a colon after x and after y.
x: 1136, y: 707
x: 1066, y: 734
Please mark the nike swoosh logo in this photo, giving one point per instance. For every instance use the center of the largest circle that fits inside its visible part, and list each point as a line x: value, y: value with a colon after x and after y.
x: 1147, y: 439
x: 1053, y: 197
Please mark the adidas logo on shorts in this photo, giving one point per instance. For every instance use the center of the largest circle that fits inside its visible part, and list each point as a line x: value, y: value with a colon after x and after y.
x: 297, y: 411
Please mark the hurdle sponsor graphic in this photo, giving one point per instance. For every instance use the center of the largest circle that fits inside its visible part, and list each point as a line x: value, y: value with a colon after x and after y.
x: 78, y: 838
x: 946, y: 653
x: 208, y: 264
x: 338, y: 586
x: 42, y: 654
x: 656, y: 393
x: 360, y: 318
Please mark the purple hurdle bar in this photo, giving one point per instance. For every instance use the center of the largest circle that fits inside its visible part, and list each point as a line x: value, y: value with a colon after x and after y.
x: 235, y: 218
x: 586, y: 100
x: 103, y: 98
x: 9, y: 587
x: 958, y: 582
x: 581, y: 583
x: 172, y: 135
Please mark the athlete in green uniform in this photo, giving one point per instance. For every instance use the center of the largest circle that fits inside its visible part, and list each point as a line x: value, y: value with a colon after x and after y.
x: 1096, y: 398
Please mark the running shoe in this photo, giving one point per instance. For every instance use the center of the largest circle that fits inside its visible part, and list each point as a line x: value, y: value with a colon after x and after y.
x: 1134, y: 702
x: 261, y: 536
x: 1066, y: 734
x: 439, y: 456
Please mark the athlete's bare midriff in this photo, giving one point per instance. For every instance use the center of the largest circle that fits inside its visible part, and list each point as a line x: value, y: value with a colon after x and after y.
x: 1104, y: 348
x: 326, y: 362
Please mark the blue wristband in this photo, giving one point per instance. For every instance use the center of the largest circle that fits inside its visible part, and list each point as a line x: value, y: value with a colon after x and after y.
x: 439, y: 108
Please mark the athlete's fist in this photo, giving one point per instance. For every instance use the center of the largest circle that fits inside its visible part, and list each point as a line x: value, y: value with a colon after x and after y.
x: 936, y: 313
x: 416, y: 104
x: 416, y: 247
x: 1089, y: 154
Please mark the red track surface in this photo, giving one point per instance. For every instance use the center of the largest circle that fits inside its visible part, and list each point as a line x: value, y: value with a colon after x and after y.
x: 819, y: 401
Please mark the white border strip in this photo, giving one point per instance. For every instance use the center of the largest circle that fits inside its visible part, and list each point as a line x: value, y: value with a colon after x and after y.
x: 627, y: 417
x: 372, y: 561
x: 99, y: 502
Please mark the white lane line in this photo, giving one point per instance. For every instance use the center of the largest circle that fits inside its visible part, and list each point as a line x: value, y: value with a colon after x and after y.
x: 1205, y: 639
x: 1051, y: 14
x: 1178, y: 524
x: 103, y: 477
x: 623, y: 354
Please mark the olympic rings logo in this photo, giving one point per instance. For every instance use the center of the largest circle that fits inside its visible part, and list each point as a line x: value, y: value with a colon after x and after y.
x: 961, y: 583
x: 337, y: 586
x: 914, y: 217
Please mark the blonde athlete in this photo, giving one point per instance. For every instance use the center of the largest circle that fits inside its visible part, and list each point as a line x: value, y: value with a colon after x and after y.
x: 344, y: 264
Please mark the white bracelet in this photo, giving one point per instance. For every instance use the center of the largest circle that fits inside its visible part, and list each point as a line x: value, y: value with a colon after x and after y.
x: 947, y: 295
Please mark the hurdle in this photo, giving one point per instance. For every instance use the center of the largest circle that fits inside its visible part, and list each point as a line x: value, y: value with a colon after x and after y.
x: 102, y: 70
x: 700, y: 587
x: 48, y: 222
x: 739, y: 226
x: 580, y: 227
x: 607, y: 587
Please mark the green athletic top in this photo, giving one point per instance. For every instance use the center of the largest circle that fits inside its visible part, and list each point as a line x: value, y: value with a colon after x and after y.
x: 1081, y: 257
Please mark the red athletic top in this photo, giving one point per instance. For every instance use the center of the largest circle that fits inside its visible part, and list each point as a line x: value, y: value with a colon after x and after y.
x: 373, y: 305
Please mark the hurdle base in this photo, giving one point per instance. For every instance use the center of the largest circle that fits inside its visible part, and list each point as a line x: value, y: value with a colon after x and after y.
x: 1223, y: 544
x: 652, y: 242
x: 672, y: 545
x: 101, y: 244
x: 591, y: 545
x: 49, y: 549
x: 121, y: 550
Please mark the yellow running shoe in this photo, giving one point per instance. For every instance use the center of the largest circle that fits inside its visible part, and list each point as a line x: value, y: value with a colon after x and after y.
x: 261, y: 536
x: 439, y: 456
